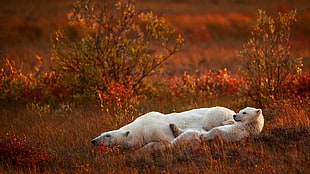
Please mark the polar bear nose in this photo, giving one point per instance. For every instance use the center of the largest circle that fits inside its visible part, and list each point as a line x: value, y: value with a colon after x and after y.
x: 234, y: 115
x: 94, y: 142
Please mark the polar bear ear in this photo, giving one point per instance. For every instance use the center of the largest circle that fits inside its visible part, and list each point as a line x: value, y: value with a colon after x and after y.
x: 258, y: 111
x: 126, y: 133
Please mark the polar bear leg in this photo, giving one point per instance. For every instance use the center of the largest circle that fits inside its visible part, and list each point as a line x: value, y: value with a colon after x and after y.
x: 228, y: 122
x: 175, y: 130
x: 189, y: 136
x: 211, y: 134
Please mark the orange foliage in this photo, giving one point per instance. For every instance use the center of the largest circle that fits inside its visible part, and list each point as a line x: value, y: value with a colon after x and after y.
x: 301, y: 89
x: 16, y: 150
x: 209, y: 84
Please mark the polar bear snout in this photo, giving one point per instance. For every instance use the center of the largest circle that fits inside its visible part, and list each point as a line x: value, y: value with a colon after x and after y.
x: 97, y: 141
x: 236, y: 118
x: 94, y: 142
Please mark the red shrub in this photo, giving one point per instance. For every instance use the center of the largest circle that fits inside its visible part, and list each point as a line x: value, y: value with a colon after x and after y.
x: 208, y: 84
x: 119, y: 102
x: 301, y: 89
x: 16, y: 151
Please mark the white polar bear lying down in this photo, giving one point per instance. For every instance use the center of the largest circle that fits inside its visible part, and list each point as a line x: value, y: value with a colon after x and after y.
x: 153, y: 127
x: 249, y: 122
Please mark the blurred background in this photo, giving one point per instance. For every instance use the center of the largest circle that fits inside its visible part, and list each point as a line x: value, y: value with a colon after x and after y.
x: 214, y: 30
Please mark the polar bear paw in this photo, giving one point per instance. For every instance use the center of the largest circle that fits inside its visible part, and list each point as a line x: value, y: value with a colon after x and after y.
x: 175, y: 130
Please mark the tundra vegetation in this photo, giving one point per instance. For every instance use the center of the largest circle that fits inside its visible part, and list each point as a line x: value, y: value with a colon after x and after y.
x: 115, y: 61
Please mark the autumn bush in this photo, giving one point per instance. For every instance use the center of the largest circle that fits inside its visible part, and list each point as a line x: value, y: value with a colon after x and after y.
x: 17, y: 87
x: 118, y: 46
x: 300, y: 89
x: 119, y: 103
x: 16, y: 151
x: 210, y: 84
x: 269, y: 67
x: 12, y: 81
x: 117, y: 49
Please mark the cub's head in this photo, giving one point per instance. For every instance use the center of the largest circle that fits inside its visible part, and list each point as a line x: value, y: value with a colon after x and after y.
x: 247, y: 115
x: 113, y: 138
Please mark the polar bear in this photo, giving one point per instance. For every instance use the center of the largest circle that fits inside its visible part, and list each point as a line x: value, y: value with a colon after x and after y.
x: 248, y: 122
x: 153, y: 127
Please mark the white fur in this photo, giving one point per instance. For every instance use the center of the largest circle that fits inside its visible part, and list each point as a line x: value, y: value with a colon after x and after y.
x: 249, y: 122
x: 154, y: 127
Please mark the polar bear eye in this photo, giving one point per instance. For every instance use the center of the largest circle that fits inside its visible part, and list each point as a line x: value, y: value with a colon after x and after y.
x: 108, y: 136
x: 243, y: 113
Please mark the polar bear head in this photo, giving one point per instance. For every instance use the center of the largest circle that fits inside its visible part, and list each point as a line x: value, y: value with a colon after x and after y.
x: 112, y: 138
x: 252, y: 119
x: 247, y: 115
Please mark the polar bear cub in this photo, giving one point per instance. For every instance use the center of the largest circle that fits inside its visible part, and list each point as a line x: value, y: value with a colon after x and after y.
x: 153, y: 127
x: 248, y: 122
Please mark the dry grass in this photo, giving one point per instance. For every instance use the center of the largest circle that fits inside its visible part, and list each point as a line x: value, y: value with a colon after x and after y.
x: 282, y: 147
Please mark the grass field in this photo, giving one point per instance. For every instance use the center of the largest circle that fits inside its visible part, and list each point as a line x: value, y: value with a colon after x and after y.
x: 37, y: 138
x: 56, y: 142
